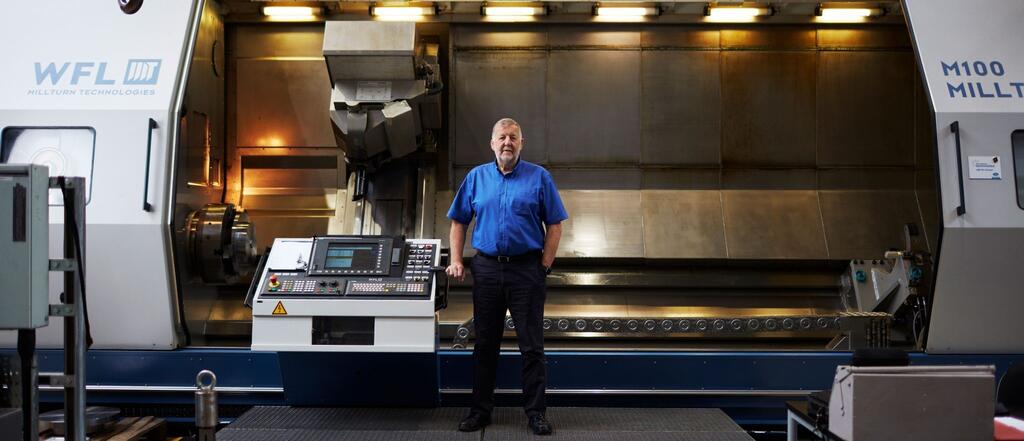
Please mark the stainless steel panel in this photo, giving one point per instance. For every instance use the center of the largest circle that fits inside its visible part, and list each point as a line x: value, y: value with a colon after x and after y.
x: 291, y: 201
x: 767, y: 179
x: 676, y: 37
x: 279, y: 40
x: 602, y: 224
x: 866, y: 179
x: 489, y: 36
x: 195, y: 143
x: 769, y: 38
x: 593, y: 104
x: 768, y: 108
x: 290, y: 192
x: 864, y: 224
x: 873, y: 37
x: 865, y: 108
x: 205, y: 101
x: 682, y: 107
x: 291, y: 179
x: 773, y: 224
x: 587, y: 305
x: 270, y: 226
x: 683, y: 224
x: 283, y: 103
x: 682, y: 179
x: 668, y: 306
x: 597, y: 179
x: 489, y: 86
x: 589, y: 36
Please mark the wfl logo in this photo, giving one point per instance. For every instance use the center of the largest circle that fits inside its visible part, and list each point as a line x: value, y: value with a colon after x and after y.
x: 142, y: 72
x: 138, y: 72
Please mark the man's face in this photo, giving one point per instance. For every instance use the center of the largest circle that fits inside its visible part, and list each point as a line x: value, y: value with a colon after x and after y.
x: 506, y: 144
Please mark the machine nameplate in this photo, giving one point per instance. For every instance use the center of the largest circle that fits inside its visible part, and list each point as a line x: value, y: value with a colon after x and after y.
x: 984, y: 168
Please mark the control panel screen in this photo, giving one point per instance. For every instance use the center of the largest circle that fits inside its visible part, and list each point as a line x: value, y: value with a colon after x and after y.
x: 356, y: 257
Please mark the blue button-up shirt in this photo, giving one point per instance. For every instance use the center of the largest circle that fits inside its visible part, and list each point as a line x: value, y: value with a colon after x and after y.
x: 510, y: 209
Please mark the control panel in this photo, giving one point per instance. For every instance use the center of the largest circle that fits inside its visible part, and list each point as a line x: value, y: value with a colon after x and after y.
x: 352, y: 266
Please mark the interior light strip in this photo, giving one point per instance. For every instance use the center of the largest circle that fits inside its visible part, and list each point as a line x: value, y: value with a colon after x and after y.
x: 401, y: 12
x: 736, y: 13
x: 290, y: 11
x: 624, y: 11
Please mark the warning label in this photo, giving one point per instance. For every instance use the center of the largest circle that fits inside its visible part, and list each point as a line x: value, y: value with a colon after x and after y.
x: 279, y: 309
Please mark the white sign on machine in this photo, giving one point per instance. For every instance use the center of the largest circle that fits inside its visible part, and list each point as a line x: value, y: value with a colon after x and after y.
x: 984, y: 168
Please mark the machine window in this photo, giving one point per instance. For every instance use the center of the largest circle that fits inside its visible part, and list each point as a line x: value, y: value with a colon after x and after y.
x: 66, y: 151
x: 1018, y: 165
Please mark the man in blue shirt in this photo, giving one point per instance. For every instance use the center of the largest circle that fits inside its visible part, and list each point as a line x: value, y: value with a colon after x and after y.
x: 518, y: 225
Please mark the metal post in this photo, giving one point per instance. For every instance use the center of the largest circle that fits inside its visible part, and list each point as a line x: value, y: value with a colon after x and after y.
x: 74, y: 326
x: 791, y: 427
x: 206, y: 406
x: 29, y: 384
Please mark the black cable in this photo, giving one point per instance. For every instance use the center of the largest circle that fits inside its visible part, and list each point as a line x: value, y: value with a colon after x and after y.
x: 78, y: 258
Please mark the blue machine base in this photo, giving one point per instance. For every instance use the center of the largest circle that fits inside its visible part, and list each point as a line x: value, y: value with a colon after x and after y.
x: 359, y: 379
x: 749, y: 386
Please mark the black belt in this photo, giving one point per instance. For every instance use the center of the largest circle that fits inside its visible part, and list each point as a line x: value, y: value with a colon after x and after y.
x: 532, y: 255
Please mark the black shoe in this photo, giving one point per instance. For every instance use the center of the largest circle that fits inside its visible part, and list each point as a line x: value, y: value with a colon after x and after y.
x: 474, y: 422
x: 540, y: 425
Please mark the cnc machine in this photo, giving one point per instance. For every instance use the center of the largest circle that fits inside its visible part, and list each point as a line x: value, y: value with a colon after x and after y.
x: 748, y: 201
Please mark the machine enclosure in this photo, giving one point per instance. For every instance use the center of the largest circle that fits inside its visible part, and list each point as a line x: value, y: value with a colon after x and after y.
x: 24, y: 245
x: 932, y: 403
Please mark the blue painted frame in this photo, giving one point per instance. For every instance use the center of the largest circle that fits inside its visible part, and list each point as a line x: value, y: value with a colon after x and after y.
x: 741, y: 383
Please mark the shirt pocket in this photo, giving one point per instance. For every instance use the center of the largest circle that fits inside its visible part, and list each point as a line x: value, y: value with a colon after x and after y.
x: 526, y: 203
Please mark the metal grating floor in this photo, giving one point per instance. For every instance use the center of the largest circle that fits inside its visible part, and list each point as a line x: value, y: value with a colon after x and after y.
x: 509, y: 424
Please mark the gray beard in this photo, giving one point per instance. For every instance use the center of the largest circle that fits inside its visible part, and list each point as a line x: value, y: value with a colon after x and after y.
x: 507, y: 164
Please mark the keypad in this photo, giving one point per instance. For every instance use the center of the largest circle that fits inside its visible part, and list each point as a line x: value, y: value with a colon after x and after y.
x: 385, y: 288
x: 418, y: 262
x: 297, y: 286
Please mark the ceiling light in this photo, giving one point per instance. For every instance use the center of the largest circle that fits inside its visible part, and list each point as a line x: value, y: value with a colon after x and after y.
x: 290, y: 12
x: 624, y: 11
x: 839, y: 14
x: 736, y: 13
x: 513, y: 11
x: 401, y: 13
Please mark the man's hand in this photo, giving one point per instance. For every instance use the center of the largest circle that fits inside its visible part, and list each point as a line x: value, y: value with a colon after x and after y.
x: 456, y: 270
x: 457, y: 238
x: 551, y: 239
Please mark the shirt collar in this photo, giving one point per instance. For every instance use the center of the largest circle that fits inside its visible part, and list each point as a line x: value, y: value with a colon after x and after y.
x: 514, y: 167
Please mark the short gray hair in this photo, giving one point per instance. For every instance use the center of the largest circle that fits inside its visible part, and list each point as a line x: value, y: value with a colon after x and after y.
x: 505, y: 122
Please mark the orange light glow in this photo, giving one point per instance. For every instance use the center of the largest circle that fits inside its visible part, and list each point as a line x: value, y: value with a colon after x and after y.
x: 269, y: 141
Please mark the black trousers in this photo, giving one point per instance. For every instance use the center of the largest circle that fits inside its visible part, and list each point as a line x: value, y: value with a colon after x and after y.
x: 517, y: 287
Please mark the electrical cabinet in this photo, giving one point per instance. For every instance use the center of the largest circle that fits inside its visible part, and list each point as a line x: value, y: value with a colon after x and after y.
x: 24, y: 246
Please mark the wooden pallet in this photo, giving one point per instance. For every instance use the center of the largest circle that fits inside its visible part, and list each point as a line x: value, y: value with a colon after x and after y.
x: 133, y: 429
